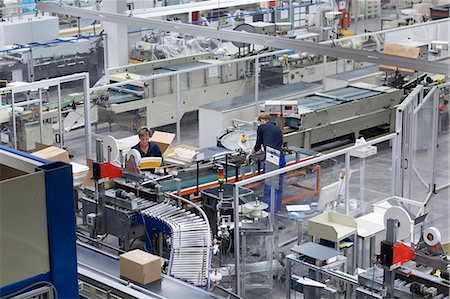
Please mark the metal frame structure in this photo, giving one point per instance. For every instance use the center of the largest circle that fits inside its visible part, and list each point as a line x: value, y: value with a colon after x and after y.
x: 407, y: 115
x: 269, y: 41
x: 177, y: 74
x: 346, y: 152
x: 384, y: 32
x: 44, y: 84
x: 191, y: 7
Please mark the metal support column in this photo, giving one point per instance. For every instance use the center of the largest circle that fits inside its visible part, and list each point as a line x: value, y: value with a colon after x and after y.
x: 14, y: 120
x: 60, y: 120
x: 434, y: 141
x: 256, y: 84
x: 178, y: 109
x: 237, y: 257
x: 347, y: 183
x: 87, y: 117
x: 41, y: 118
x: 389, y: 276
x: 100, y: 195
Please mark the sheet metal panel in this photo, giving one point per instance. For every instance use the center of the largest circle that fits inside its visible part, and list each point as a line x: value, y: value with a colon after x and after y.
x: 24, y: 248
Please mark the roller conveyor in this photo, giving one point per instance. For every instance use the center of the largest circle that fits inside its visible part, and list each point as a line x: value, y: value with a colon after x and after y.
x: 101, y: 268
x: 189, y: 257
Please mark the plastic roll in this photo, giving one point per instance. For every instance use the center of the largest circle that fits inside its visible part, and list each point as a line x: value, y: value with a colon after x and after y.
x: 128, y: 142
x: 432, y: 236
x: 215, y: 276
x: 404, y: 229
x: 113, y: 146
x: 136, y: 156
x: 110, y: 149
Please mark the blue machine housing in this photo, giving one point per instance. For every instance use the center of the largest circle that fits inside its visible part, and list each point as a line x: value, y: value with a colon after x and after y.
x: 61, y: 230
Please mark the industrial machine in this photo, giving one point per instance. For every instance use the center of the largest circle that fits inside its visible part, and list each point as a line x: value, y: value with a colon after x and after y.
x: 422, y: 272
x: 136, y: 207
x: 136, y: 204
x: 340, y: 115
x: 37, y: 111
x: 28, y: 55
x: 402, y: 270
x: 153, y: 100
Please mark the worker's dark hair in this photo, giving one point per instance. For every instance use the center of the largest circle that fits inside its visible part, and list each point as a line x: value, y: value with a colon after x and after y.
x: 264, y: 116
x: 145, y: 131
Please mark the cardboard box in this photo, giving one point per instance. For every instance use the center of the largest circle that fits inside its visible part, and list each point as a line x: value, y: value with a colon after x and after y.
x: 39, y: 146
x: 53, y: 153
x: 162, y: 139
x: 140, y: 266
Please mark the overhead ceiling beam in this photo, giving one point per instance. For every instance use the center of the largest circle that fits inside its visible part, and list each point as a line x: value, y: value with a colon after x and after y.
x: 252, y: 38
x: 191, y: 7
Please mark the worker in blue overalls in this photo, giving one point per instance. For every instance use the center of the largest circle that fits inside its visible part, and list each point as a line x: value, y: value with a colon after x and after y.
x: 270, y: 135
x: 145, y: 147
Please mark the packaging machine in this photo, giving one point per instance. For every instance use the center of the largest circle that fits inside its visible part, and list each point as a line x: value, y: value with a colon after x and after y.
x: 31, y: 50
x: 207, y: 79
x: 358, y: 110
x: 402, y: 270
x: 136, y: 205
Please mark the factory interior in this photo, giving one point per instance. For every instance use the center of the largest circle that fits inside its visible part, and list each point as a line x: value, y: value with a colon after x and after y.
x: 227, y: 149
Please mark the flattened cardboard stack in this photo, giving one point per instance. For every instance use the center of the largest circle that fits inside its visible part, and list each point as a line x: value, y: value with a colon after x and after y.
x: 51, y: 153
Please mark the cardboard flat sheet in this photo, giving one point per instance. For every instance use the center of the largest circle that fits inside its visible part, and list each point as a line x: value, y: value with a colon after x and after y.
x: 296, y: 208
x: 402, y: 51
x: 53, y: 153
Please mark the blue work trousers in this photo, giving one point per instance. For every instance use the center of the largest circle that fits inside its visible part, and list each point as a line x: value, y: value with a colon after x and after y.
x: 278, y: 191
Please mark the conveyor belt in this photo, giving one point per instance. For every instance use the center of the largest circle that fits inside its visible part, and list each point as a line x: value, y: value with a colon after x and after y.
x: 279, y: 92
x: 120, y: 98
x: 358, y: 73
x: 336, y: 97
x: 190, y: 236
x: 167, y: 287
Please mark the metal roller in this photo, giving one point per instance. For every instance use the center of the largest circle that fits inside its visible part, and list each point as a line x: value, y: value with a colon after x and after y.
x: 189, y: 239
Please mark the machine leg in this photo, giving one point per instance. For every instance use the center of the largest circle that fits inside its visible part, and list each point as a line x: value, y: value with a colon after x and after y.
x: 288, y: 279
x: 363, y: 252
x: 161, y: 238
x: 372, y: 250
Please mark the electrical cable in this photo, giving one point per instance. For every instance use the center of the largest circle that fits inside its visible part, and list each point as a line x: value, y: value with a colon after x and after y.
x: 145, y: 231
x: 32, y: 286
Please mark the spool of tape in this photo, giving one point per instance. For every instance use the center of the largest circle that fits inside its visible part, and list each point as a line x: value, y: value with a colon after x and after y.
x: 404, y: 229
x: 110, y: 149
x: 432, y: 236
x: 134, y: 153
